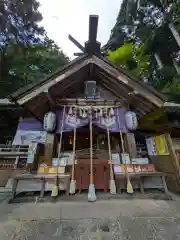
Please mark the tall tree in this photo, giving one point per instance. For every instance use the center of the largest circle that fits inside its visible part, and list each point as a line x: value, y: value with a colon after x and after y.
x: 26, y: 53
x: 151, y: 23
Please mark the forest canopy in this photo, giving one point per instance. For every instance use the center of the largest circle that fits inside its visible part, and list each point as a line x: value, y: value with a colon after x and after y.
x: 27, y: 54
x: 145, y: 40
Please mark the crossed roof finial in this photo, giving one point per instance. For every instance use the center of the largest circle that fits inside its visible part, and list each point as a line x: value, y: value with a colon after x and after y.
x: 92, y: 46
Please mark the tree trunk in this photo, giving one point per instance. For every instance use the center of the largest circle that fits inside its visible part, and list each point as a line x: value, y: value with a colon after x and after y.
x: 158, y: 60
x: 174, y: 33
x: 176, y: 67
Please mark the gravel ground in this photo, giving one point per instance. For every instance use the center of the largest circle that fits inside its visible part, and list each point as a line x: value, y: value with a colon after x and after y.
x: 140, y: 219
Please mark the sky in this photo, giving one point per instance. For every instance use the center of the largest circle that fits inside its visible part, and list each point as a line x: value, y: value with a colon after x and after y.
x: 63, y: 17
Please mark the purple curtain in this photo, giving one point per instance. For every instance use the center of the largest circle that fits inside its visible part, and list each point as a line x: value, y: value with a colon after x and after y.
x: 113, y: 124
x: 69, y: 122
x: 32, y: 125
x: 116, y: 123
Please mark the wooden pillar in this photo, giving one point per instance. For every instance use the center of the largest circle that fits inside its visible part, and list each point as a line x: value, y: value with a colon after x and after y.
x: 49, y: 148
x: 172, y: 153
x: 173, y: 180
x: 131, y: 144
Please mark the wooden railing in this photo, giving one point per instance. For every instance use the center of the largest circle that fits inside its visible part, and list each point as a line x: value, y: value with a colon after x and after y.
x: 13, y: 156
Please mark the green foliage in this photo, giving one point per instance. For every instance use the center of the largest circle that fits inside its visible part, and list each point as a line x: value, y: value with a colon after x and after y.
x: 122, y: 54
x: 26, y: 53
x: 132, y: 58
x: 146, y: 28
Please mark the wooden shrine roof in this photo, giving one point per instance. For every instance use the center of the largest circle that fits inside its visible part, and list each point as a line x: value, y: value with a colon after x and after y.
x: 39, y: 98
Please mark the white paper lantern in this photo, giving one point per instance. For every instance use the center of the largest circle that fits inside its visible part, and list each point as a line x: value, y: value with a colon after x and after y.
x: 49, y: 122
x: 131, y: 120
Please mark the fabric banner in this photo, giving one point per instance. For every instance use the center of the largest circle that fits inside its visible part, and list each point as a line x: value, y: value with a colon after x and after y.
x: 70, y: 122
x: 32, y: 130
x: 29, y: 131
x: 151, y: 146
x: 25, y: 137
x: 30, y: 124
x: 31, y: 152
x: 161, y: 145
x: 112, y: 122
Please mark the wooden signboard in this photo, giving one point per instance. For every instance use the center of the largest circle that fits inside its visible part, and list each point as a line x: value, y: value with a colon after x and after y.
x: 49, y: 149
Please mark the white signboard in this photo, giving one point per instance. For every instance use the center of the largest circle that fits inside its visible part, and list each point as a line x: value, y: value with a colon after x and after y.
x: 140, y: 161
x: 65, y: 159
x: 31, y: 152
x: 115, y: 158
x: 125, y: 158
x: 151, y: 146
x: 25, y: 137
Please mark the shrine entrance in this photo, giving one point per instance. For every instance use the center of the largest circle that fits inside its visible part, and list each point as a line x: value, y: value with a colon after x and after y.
x: 101, y: 170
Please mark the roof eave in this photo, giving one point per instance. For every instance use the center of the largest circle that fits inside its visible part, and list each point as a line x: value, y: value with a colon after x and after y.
x: 14, y: 96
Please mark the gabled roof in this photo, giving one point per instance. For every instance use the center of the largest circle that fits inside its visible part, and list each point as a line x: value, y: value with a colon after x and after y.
x: 64, y: 81
x: 48, y: 78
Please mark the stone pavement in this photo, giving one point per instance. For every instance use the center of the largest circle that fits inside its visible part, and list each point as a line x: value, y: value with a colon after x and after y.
x: 115, y: 219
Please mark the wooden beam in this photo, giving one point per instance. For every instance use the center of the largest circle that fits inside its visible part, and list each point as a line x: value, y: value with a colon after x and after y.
x: 132, y: 96
x: 124, y: 80
x: 124, y: 101
x: 72, y: 87
x: 36, y: 103
x: 131, y: 144
x: 78, y: 54
x: 124, y: 95
x: 84, y: 102
x: 93, y: 25
x: 40, y: 89
x: 173, y: 155
x: 114, y: 92
x: 49, y: 97
x: 73, y: 81
x: 124, y: 89
x: 76, y: 43
x: 49, y: 148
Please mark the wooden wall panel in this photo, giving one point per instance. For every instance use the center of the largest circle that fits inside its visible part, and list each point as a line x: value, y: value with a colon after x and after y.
x: 169, y: 164
x: 131, y: 144
x: 163, y: 163
x: 172, y: 183
x: 49, y: 148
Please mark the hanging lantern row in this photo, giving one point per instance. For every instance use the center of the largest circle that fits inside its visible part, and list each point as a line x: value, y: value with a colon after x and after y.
x: 131, y: 120
x: 84, y: 112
